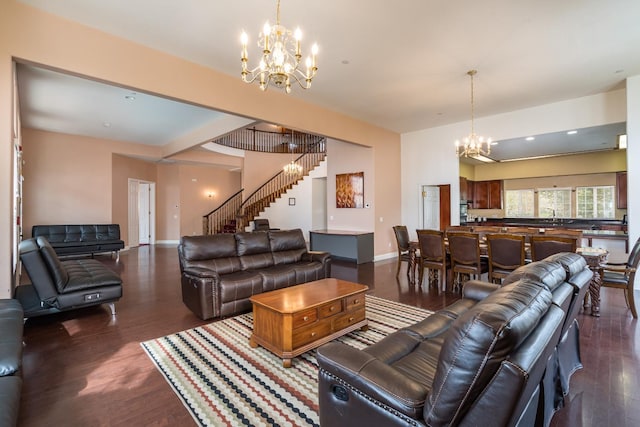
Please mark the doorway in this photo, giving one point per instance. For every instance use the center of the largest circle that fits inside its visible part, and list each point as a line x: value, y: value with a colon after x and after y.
x: 436, y: 206
x: 141, y: 230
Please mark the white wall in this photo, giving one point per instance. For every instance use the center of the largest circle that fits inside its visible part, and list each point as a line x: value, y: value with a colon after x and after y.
x: 284, y: 216
x: 428, y: 156
x: 633, y: 161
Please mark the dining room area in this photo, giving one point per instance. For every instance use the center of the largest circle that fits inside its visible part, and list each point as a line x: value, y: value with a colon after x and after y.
x: 443, y: 260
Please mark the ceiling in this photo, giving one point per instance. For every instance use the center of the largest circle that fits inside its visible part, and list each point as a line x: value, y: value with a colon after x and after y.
x: 400, y: 65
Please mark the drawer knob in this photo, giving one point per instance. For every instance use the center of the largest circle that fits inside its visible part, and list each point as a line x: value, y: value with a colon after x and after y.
x: 350, y: 319
x: 313, y: 334
x: 356, y: 301
x: 305, y: 318
x: 332, y: 308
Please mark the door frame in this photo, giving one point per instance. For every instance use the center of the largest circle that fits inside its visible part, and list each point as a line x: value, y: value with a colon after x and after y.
x: 133, y: 229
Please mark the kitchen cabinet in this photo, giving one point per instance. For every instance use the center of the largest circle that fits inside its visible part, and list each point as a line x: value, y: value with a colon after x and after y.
x: 621, y: 190
x: 463, y: 189
x: 487, y: 194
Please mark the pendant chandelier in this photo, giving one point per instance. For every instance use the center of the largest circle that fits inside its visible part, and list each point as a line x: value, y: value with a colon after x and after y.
x: 292, y: 168
x: 473, y: 145
x: 281, y: 55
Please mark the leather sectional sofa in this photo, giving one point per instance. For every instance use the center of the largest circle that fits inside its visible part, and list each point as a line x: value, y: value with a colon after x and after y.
x: 81, y: 239
x: 220, y: 272
x: 11, y: 324
x: 500, y: 356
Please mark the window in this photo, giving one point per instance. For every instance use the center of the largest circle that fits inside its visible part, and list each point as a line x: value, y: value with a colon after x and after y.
x: 519, y: 203
x: 554, y: 203
x: 595, y: 202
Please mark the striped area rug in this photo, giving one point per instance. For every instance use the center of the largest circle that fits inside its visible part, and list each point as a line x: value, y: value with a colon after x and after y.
x: 224, y: 382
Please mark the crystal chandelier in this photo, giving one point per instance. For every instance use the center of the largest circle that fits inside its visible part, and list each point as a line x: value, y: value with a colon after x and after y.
x: 292, y: 168
x: 280, y: 62
x: 473, y: 145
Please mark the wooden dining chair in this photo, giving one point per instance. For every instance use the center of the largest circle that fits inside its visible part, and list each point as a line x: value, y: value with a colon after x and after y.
x: 506, y: 253
x: 402, y: 240
x: 622, y: 276
x: 464, y: 249
x: 433, y: 256
x: 542, y: 246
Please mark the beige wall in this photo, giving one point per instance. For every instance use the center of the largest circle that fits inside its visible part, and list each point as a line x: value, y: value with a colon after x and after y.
x: 75, y: 179
x: 30, y: 35
x: 196, y: 183
x: 168, y: 203
x: 123, y: 169
x: 259, y: 167
x: 578, y: 164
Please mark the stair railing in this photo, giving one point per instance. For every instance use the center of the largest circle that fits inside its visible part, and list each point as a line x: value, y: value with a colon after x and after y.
x: 271, y: 190
x: 253, y: 139
x: 214, y: 221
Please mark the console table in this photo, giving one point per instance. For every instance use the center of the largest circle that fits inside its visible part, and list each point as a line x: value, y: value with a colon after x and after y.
x: 342, y: 244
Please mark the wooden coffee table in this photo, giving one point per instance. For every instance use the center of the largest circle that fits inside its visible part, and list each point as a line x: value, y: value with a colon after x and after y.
x: 291, y: 321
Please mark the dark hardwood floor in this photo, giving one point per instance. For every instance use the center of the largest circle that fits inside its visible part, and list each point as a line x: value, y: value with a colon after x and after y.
x: 85, y: 368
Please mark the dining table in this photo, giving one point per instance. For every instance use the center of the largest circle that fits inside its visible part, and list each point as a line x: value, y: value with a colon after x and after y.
x: 595, y: 258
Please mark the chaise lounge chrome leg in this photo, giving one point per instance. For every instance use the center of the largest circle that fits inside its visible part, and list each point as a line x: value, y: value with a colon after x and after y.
x: 117, y: 256
x: 112, y: 307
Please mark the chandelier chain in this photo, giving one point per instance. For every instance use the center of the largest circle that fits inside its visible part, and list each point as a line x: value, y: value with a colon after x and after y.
x: 473, y: 145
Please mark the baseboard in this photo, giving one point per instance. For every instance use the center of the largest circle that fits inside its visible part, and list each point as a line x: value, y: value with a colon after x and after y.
x: 167, y: 242
x: 385, y: 256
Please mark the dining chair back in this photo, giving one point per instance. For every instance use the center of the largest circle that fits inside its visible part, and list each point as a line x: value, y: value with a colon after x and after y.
x: 623, y: 275
x: 433, y: 255
x: 402, y: 241
x: 506, y: 253
x: 464, y: 249
x: 542, y: 245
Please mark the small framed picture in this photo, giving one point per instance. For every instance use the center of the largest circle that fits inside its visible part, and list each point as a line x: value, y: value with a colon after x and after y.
x: 292, y: 201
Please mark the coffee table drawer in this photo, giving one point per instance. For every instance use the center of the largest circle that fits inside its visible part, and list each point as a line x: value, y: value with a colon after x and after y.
x: 345, y: 320
x: 304, y: 318
x: 354, y: 302
x: 330, y: 309
x: 311, y: 333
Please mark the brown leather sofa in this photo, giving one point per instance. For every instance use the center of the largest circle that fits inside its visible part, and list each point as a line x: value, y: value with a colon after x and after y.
x: 221, y: 272
x: 483, y: 361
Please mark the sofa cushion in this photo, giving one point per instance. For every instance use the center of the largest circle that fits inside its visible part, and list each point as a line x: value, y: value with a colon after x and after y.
x: 573, y: 263
x: 240, y: 285
x: 216, y: 252
x: 250, y: 243
x: 277, y: 276
x: 287, y: 246
x: 254, y: 250
x: 308, y: 271
x: 477, y: 342
x: 88, y: 274
x: 550, y: 274
x: 55, y: 267
x: 10, y: 388
x: 11, y: 325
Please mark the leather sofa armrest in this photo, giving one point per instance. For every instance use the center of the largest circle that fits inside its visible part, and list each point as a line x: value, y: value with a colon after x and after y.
x: 373, y: 378
x: 478, y: 290
x: 201, y: 273
x: 319, y: 256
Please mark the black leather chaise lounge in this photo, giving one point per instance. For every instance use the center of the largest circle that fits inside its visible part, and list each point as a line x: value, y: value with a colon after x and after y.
x: 63, y: 285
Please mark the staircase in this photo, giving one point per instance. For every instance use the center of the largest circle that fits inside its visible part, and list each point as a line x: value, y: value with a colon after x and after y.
x: 237, y: 212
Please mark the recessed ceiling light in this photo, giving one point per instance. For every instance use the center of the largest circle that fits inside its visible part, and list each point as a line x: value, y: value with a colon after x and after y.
x: 106, y: 124
x: 130, y: 97
x: 572, y: 132
x: 494, y: 143
x: 345, y: 61
x: 530, y: 138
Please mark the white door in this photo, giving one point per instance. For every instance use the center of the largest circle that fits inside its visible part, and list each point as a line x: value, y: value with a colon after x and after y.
x: 431, y: 207
x: 144, y: 213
